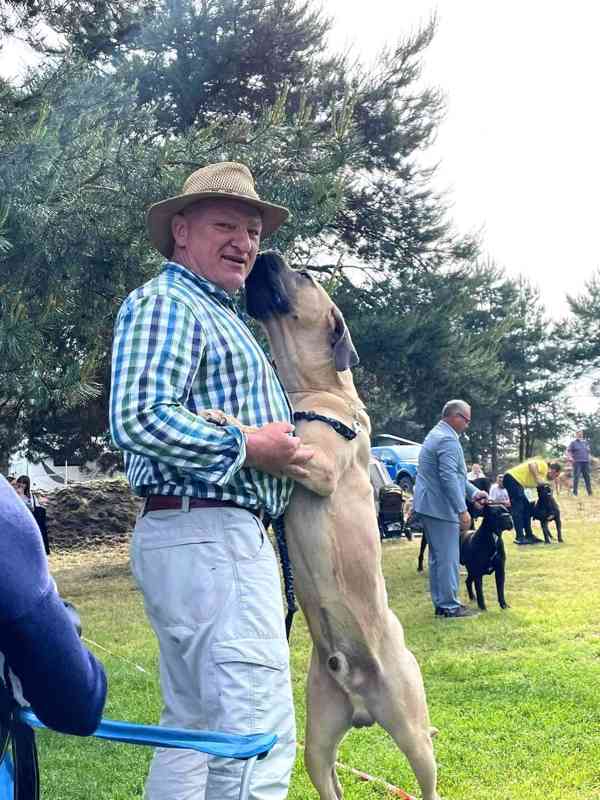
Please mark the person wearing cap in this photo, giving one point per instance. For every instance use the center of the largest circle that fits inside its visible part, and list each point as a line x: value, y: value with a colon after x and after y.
x: 528, y: 475
x: 200, y: 553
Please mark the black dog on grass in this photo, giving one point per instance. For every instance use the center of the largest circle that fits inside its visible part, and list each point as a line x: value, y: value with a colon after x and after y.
x: 546, y: 509
x: 482, y: 552
x: 485, y: 485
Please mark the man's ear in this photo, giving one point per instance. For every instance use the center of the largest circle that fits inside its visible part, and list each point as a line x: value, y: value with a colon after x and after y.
x: 179, y: 227
x: 344, y: 354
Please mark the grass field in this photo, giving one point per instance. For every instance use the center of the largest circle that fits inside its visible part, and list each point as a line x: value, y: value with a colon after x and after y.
x: 515, y: 694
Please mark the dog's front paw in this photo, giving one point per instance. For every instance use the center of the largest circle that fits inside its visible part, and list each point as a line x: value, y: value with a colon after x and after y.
x: 504, y: 606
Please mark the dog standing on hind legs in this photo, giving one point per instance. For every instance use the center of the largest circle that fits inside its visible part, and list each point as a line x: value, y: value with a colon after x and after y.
x: 361, y: 671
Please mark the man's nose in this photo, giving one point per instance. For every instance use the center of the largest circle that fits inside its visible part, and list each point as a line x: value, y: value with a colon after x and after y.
x: 241, y: 239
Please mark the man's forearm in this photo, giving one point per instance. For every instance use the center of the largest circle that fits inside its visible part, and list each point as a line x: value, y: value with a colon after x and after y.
x: 175, y: 436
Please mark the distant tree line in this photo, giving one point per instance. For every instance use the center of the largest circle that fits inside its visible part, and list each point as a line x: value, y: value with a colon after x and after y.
x: 128, y: 98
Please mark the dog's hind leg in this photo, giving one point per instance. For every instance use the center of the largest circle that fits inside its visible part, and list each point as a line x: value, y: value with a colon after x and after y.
x: 397, y: 702
x: 328, y: 717
x: 479, y: 592
x: 558, y: 523
x: 469, y: 585
x: 547, y: 535
x: 499, y: 574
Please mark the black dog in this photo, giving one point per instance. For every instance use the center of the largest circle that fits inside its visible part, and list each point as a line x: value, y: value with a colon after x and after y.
x: 485, y: 485
x: 482, y: 552
x: 546, y: 509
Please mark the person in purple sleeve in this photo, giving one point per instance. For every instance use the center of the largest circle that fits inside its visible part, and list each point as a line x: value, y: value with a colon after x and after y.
x: 41, y: 654
x: 578, y: 453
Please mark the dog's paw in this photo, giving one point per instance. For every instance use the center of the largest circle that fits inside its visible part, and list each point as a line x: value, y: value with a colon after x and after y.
x: 504, y: 606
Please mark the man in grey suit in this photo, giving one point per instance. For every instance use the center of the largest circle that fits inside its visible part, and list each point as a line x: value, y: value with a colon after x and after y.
x: 440, y: 500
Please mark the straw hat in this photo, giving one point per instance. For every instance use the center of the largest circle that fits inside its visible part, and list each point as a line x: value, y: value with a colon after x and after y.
x: 226, y: 180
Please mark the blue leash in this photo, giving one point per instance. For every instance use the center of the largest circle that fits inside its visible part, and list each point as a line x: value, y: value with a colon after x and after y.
x: 225, y: 745
x: 248, y: 748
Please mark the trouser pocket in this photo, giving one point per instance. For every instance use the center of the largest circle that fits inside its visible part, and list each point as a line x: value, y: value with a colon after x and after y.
x: 251, y: 676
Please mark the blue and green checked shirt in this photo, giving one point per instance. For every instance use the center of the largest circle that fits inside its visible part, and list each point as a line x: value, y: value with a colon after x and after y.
x: 180, y: 348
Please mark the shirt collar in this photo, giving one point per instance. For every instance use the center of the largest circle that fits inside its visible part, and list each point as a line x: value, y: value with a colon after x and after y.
x: 202, y: 283
x: 450, y: 428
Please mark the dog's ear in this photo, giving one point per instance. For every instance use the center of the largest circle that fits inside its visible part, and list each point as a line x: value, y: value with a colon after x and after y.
x: 344, y: 354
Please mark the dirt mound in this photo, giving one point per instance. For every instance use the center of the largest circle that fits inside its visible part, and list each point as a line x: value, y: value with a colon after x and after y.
x: 87, y: 514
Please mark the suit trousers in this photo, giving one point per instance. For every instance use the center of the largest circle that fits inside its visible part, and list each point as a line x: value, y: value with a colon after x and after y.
x: 211, y: 590
x: 443, y: 537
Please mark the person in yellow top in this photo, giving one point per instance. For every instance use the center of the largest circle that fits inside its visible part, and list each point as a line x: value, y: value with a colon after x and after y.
x: 527, y: 475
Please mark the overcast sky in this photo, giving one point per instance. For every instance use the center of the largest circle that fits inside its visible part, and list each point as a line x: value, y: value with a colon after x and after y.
x: 520, y: 145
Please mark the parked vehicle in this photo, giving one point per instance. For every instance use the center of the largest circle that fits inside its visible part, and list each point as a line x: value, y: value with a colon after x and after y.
x: 400, y: 457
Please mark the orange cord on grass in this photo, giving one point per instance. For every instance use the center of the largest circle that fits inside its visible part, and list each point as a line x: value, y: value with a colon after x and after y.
x: 395, y: 791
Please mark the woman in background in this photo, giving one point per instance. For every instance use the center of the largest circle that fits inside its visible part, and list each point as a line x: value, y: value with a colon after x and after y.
x: 23, y: 489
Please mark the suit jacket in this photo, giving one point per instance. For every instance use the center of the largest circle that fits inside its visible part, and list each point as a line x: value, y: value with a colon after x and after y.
x: 442, y: 484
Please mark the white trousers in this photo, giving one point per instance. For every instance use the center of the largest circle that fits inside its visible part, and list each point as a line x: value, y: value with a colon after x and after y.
x: 211, y: 590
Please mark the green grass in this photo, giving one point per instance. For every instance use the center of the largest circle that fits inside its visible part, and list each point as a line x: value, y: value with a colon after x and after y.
x: 515, y: 694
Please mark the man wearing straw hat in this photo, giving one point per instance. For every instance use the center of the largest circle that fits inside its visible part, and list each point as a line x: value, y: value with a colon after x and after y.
x: 200, y: 553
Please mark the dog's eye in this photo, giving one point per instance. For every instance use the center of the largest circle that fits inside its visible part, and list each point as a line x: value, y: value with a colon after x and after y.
x: 305, y: 274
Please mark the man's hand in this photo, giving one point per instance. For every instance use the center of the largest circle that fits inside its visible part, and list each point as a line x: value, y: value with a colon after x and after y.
x: 464, y: 520
x: 271, y: 449
x: 480, y: 497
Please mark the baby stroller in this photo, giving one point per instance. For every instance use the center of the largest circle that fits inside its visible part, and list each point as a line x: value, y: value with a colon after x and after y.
x: 389, y: 502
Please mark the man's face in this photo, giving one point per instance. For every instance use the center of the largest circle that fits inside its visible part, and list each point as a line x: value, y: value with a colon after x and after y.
x: 460, y: 420
x: 552, y: 474
x: 579, y: 434
x: 219, y: 240
x: 499, y: 480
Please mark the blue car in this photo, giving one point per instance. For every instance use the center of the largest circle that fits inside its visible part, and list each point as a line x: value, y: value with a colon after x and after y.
x: 400, y: 457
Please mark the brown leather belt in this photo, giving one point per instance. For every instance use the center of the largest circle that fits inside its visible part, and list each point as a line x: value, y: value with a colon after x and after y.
x: 162, y: 502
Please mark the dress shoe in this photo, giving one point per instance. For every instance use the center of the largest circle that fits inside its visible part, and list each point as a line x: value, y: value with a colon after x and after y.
x: 456, y: 613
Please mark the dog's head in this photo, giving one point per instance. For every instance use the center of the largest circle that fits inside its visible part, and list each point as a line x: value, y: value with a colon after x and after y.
x: 275, y: 291
x: 498, y: 517
x: 544, y: 490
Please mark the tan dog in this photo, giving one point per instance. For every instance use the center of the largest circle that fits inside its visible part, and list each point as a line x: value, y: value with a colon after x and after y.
x: 361, y: 671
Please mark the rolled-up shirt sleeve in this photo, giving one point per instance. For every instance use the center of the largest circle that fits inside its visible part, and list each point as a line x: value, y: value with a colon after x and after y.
x: 157, y: 351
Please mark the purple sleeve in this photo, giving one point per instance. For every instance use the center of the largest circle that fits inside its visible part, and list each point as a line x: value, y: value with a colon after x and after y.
x: 64, y: 683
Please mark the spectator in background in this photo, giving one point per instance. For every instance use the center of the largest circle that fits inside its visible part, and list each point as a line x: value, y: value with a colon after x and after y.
x: 23, y: 489
x: 475, y: 473
x: 578, y: 453
x: 498, y: 493
x: 528, y: 475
